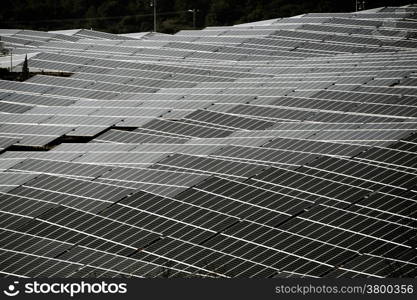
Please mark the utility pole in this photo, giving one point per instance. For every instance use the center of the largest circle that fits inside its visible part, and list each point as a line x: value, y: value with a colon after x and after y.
x: 153, y: 4
x: 360, y: 5
x: 11, y: 59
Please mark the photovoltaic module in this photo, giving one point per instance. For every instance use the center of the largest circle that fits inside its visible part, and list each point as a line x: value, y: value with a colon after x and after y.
x: 280, y: 148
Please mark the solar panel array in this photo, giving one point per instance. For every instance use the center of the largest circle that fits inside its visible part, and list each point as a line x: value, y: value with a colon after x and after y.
x: 280, y: 148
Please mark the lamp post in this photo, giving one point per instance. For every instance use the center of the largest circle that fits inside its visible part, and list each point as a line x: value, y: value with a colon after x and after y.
x: 153, y: 4
x: 194, y: 11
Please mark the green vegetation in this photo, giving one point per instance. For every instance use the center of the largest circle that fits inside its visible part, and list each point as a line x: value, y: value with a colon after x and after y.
x: 25, y: 69
x: 121, y: 16
x: 5, y: 74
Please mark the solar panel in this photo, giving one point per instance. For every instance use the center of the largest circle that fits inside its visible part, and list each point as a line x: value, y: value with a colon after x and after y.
x: 279, y: 148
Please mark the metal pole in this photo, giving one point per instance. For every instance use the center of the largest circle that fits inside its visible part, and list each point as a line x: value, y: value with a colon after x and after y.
x: 154, y: 15
x: 194, y: 11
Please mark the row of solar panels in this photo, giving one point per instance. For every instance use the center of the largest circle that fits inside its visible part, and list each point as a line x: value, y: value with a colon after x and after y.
x: 380, y: 224
x: 278, y: 149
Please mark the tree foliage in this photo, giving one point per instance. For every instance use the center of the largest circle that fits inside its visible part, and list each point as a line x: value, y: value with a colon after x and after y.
x: 121, y: 16
x: 25, y: 69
